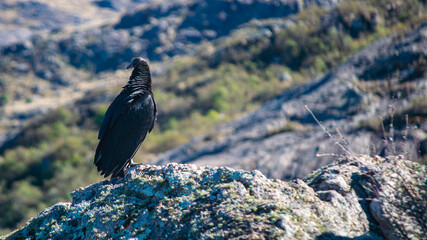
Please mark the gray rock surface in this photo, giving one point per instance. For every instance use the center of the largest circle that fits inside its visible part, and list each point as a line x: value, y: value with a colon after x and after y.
x: 378, y: 85
x: 360, y: 197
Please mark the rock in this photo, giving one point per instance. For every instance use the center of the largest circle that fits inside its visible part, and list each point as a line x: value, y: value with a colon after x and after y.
x: 21, y: 68
x: 12, y: 36
x: 43, y: 16
x: 114, y: 5
x: 224, y: 16
x: 322, y: 3
x: 359, y: 197
x: 285, y: 77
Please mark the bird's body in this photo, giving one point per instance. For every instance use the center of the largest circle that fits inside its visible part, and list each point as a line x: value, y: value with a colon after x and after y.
x: 126, y: 123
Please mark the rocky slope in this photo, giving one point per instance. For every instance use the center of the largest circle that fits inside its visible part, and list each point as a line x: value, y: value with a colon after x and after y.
x: 52, y: 49
x: 20, y: 20
x: 368, y: 98
x: 359, y: 197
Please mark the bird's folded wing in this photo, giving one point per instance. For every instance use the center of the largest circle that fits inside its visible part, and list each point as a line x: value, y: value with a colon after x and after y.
x: 117, y: 107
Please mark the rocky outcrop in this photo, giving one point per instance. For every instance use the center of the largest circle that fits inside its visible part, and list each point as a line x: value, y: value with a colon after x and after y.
x: 358, y: 197
x: 367, y: 98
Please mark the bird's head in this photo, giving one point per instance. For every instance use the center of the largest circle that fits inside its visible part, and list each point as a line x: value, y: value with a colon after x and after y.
x: 137, y: 62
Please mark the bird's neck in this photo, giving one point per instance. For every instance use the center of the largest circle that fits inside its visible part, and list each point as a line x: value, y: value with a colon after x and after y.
x: 140, y: 80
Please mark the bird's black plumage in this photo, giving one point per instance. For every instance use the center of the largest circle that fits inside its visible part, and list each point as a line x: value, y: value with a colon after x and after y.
x: 126, y: 123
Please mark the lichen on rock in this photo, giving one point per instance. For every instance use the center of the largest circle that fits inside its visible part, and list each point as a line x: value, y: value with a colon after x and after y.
x: 356, y: 197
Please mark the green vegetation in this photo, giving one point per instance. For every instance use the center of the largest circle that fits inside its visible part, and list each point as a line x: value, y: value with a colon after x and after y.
x: 54, y: 156
x: 4, y: 99
x: 4, y: 96
x: 50, y: 160
x: 320, y: 39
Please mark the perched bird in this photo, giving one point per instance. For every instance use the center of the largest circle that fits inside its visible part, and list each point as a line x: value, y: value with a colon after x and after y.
x: 126, y: 123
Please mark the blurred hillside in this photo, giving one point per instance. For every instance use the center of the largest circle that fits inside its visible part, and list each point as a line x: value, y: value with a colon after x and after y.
x: 375, y: 103
x: 213, y: 62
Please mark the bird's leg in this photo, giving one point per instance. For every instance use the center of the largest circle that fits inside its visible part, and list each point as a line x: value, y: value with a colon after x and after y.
x: 132, y: 164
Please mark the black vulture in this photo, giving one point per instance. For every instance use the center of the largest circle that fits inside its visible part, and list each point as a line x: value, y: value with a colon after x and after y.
x: 126, y: 123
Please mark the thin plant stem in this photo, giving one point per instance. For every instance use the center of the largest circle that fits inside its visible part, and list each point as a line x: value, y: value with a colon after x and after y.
x: 348, y: 151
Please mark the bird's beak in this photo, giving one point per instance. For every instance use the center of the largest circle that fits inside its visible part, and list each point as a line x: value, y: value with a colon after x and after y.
x: 129, y: 66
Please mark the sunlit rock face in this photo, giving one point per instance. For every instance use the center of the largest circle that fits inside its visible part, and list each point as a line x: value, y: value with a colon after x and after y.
x: 366, y: 197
